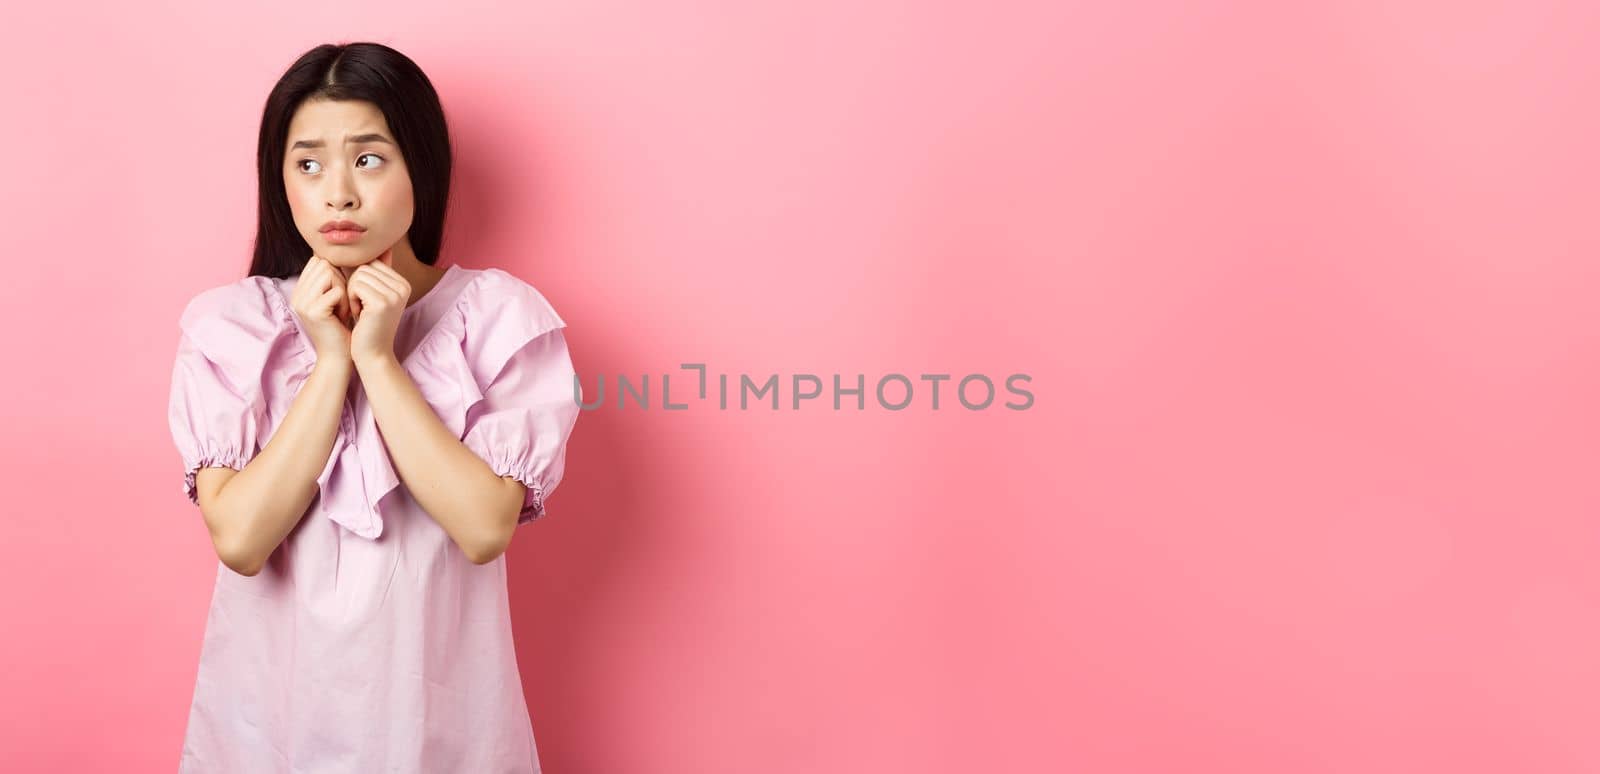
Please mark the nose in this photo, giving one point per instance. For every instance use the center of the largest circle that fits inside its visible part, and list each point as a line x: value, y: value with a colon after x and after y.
x: 342, y: 191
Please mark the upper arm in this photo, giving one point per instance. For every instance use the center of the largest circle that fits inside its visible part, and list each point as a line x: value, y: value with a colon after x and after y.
x: 525, y: 420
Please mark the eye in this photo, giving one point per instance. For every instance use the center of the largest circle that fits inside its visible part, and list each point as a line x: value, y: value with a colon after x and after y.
x: 373, y: 155
x: 307, y: 161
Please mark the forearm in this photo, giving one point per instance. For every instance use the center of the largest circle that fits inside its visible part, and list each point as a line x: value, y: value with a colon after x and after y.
x: 255, y: 508
x: 456, y: 487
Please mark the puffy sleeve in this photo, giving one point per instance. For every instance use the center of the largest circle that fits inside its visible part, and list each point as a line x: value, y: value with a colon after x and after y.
x: 530, y: 404
x: 221, y: 391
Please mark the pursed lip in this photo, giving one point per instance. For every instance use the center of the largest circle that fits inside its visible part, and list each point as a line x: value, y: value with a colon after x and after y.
x: 342, y: 225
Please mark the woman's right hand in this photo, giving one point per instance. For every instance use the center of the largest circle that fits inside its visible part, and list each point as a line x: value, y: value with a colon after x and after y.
x: 322, y: 303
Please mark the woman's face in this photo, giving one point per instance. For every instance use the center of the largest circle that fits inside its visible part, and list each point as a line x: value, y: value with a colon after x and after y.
x: 342, y: 163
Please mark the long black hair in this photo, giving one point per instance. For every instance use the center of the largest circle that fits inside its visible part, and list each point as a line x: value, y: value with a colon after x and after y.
x: 370, y: 72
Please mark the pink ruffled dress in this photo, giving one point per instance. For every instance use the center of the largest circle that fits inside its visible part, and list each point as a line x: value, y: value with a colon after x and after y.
x: 369, y: 642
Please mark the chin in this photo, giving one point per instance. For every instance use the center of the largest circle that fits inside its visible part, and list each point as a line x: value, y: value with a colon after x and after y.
x: 344, y: 255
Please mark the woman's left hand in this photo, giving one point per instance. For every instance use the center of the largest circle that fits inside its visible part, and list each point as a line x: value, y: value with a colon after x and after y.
x: 378, y: 294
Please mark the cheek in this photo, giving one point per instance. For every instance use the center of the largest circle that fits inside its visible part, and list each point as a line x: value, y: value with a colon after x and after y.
x: 396, y: 204
x: 302, y: 201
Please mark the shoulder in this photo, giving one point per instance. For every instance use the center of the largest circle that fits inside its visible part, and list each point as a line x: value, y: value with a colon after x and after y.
x: 498, y: 299
x: 498, y: 315
x: 239, y: 326
x: 252, y: 304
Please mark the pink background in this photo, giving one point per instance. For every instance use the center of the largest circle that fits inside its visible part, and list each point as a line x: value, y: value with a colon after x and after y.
x: 1307, y: 297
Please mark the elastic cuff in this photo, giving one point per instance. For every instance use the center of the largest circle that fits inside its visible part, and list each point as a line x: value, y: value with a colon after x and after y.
x: 533, y: 502
x: 221, y: 459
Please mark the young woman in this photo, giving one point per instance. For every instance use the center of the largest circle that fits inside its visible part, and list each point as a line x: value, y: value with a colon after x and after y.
x: 363, y: 431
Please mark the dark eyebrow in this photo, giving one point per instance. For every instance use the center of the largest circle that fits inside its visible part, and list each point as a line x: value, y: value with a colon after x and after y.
x: 358, y: 139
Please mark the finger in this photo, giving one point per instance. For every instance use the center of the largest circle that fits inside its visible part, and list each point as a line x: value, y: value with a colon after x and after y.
x: 338, y: 287
x: 388, y: 276
x: 375, y: 288
x: 328, y: 301
x: 381, y: 267
x: 363, y: 290
x: 328, y: 277
x: 324, y: 275
x: 333, y: 273
x: 306, y: 289
x: 395, y: 280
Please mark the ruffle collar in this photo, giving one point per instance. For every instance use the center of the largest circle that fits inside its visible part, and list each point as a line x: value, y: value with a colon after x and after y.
x: 451, y: 367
